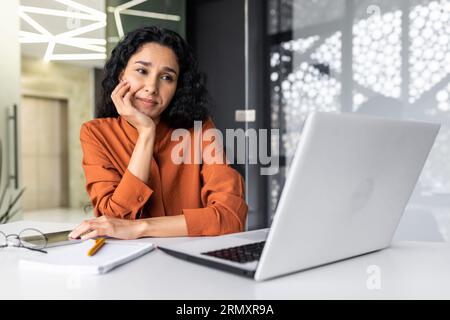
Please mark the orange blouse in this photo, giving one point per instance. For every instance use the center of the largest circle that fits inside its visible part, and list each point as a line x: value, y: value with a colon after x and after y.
x: 211, y: 196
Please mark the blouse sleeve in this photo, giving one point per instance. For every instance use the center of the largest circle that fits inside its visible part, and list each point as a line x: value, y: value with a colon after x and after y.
x: 224, y: 208
x: 112, y: 194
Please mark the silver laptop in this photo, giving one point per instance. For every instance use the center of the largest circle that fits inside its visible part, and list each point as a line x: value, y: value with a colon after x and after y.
x: 348, y: 185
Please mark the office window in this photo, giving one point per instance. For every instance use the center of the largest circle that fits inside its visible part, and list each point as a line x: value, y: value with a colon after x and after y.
x: 386, y: 58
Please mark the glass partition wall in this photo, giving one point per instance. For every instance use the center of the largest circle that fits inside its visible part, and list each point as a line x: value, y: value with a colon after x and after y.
x: 385, y: 58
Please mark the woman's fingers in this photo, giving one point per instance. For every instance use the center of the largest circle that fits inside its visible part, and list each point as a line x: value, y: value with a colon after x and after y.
x: 121, y: 92
x: 117, y: 103
x: 117, y: 95
x: 84, y: 227
x: 120, y: 85
x: 127, y: 99
x: 89, y: 229
x: 92, y: 234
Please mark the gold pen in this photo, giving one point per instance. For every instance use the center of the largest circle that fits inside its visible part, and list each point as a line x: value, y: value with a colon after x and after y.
x: 98, y: 244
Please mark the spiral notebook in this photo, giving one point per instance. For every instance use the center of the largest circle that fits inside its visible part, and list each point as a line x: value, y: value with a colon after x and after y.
x: 74, y: 258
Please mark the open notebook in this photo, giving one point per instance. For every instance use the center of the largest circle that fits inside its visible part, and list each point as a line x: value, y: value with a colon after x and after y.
x: 74, y: 258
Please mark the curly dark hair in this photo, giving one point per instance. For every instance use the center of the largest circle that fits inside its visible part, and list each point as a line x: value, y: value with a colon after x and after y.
x: 191, y: 100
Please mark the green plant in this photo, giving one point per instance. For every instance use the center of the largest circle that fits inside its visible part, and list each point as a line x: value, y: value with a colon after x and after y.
x: 8, y: 213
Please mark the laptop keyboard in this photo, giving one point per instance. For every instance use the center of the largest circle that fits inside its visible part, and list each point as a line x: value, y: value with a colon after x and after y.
x: 241, y: 254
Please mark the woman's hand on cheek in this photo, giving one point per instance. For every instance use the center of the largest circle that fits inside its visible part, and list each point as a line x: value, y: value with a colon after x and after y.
x: 108, y: 226
x: 122, y: 99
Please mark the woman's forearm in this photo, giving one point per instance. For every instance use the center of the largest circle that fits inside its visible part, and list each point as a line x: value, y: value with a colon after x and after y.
x: 168, y: 226
x: 139, y: 165
x: 140, y: 161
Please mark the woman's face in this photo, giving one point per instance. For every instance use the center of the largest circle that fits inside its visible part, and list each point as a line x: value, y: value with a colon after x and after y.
x: 152, y: 73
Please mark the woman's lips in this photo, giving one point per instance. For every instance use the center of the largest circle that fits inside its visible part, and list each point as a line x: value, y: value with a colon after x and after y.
x: 147, y: 102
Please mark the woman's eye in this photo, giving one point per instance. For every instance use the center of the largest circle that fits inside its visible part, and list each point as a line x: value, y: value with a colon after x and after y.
x: 168, y: 78
x: 142, y: 71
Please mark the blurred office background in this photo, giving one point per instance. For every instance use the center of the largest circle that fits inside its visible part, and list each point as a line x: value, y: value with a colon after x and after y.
x: 268, y: 64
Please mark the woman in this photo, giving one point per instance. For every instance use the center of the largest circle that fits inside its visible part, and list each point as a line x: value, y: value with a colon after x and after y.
x: 152, y: 86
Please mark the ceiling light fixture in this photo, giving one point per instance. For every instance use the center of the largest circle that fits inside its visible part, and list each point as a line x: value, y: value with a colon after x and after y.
x: 68, y: 38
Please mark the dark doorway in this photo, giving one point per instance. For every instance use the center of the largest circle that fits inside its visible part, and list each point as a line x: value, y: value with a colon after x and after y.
x: 216, y: 29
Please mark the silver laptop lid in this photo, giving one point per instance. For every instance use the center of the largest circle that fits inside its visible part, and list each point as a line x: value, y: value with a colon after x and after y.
x: 349, y: 182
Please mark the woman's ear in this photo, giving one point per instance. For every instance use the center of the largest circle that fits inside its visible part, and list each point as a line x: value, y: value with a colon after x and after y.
x: 121, y: 76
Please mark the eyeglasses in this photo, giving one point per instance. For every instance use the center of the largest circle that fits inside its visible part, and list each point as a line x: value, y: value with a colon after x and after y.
x: 29, y: 238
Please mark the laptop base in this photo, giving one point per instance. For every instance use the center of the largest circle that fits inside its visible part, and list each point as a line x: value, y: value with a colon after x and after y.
x: 209, y: 263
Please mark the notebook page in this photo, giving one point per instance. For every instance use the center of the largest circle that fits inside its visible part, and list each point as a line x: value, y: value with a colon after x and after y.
x: 74, y: 258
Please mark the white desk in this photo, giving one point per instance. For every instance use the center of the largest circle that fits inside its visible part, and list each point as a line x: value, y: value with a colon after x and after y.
x: 409, y: 270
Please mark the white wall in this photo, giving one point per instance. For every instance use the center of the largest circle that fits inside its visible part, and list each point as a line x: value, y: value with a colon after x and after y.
x: 9, y: 75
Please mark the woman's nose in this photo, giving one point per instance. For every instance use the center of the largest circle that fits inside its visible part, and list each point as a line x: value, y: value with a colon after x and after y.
x: 151, y: 86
